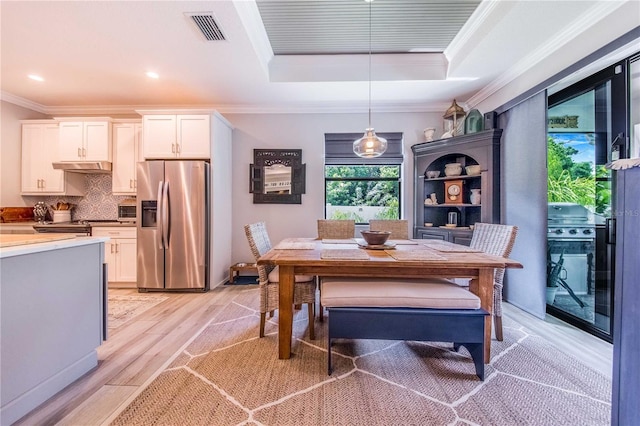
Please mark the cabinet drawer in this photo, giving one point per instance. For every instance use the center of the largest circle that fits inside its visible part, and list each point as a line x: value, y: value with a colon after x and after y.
x: 114, y: 231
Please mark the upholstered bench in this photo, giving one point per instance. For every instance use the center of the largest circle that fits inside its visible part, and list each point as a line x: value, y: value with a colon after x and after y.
x: 423, y: 310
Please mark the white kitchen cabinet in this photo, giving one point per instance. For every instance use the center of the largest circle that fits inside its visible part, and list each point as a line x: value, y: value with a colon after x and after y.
x: 127, y: 151
x: 169, y: 136
x: 85, y: 140
x: 120, y: 252
x: 40, y: 148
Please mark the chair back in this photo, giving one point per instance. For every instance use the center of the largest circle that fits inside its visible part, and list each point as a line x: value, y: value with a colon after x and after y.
x: 338, y: 229
x: 259, y: 243
x: 496, y: 240
x: 399, y: 228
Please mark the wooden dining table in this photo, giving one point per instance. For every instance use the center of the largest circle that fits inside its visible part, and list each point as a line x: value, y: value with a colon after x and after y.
x: 401, y: 259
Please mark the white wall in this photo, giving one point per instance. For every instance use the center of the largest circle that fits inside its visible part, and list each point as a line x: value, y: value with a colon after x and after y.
x: 306, y: 132
x: 11, y: 152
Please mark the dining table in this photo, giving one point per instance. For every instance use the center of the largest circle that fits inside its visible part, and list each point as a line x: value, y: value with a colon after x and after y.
x: 395, y: 259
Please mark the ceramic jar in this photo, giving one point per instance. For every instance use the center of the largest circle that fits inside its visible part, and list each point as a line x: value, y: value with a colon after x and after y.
x: 453, y: 169
x: 475, y: 196
x: 428, y: 134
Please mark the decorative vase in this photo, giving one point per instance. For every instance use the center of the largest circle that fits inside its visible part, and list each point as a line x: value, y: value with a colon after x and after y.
x: 475, y: 196
x: 551, y: 295
x: 428, y: 134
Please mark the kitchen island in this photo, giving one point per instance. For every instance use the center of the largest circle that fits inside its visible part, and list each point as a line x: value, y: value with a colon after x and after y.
x: 52, y: 316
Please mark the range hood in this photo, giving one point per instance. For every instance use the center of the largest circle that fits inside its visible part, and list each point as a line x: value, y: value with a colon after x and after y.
x: 84, y: 166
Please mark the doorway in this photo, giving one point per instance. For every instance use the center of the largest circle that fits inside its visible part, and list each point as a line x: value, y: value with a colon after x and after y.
x: 585, y: 127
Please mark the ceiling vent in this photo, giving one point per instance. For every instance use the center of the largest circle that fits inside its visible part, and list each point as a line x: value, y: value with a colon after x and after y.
x: 208, y: 26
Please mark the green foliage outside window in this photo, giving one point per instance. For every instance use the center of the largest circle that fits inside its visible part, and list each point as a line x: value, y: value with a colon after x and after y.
x: 351, y: 186
x: 576, y: 182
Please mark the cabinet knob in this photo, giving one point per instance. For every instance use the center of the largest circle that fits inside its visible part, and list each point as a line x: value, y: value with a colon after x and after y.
x: 80, y: 152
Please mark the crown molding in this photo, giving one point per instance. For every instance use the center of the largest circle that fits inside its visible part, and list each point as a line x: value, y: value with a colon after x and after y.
x: 250, y: 17
x: 562, y: 38
x: 22, y: 102
x: 310, y: 108
x: 470, y: 29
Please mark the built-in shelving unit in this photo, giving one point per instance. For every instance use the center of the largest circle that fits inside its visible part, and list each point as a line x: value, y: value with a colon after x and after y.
x: 481, y: 148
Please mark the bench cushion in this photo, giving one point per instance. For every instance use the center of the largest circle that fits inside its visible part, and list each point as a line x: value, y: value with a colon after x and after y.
x: 393, y: 293
x: 274, y: 276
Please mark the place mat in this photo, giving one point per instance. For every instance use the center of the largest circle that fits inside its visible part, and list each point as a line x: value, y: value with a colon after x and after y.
x: 450, y: 247
x: 416, y: 255
x: 344, y: 254
x: 338, y: 241
x: 295, y: 245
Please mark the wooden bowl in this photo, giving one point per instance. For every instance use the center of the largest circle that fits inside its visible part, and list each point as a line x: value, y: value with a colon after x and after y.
x: 375, y: 238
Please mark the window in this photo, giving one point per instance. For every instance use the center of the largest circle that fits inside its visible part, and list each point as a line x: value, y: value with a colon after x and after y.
x: 362, y: 189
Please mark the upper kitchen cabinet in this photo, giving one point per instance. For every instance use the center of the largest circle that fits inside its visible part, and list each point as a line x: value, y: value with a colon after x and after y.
x: 456, y: 184
x: 127, y: 151
x: 40, y: 148
x: 183, y: 136
x: 86, y: 139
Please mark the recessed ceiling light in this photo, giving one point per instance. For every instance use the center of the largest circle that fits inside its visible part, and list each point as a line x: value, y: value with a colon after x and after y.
x: 152, y: 74
x: 35, y: 77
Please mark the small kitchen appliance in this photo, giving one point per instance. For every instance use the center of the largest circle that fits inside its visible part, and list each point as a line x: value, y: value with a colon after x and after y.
x: 127, y: 210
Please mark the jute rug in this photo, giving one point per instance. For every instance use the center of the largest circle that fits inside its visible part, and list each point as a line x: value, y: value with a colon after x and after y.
x: 122, y: 308
x: 226, y: 375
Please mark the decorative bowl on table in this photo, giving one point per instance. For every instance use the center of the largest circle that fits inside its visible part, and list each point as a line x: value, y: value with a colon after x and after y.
x: 432, y: 174
x: 375, y: 238
x: 473, y: 170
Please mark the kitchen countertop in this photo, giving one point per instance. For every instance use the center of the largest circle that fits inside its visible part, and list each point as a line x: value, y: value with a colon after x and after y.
x: 20, y: 244
x: 114, y: 223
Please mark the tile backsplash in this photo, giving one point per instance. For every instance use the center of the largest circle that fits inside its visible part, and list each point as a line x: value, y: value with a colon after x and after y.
x: 98, y: 203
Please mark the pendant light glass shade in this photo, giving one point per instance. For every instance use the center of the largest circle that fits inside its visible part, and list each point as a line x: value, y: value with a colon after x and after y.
x: 370, y: 145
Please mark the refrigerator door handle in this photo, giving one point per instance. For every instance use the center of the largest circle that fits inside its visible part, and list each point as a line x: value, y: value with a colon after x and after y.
x: 159, y: 225
x: 165, y: 214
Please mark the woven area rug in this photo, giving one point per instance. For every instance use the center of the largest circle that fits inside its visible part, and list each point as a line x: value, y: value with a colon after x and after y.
x: 122, y: 308
x: 226, y: 375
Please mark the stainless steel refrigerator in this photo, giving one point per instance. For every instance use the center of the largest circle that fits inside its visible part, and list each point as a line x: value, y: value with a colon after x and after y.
x: 173, y: 225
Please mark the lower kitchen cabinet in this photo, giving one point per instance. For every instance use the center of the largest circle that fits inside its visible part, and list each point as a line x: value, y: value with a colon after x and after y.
x: 120, y: 253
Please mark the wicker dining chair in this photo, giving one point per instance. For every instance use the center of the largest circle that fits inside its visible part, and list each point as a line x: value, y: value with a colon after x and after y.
x: 336, y: 229
x: 496, y: 240
x: 339, y: 229
x: 268, y: 277
x: 399, y: 228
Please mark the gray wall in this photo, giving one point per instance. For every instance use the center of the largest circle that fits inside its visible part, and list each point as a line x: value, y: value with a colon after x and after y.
x: 306, y: 132
x: 524, y: 200
x: 11, y: 152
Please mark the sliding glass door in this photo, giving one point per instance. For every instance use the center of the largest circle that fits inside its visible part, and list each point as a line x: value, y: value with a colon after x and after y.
x: 586, y: 130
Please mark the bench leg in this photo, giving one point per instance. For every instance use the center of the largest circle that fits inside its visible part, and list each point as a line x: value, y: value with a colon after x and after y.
x: 329, y: 369
x: 477, y: 355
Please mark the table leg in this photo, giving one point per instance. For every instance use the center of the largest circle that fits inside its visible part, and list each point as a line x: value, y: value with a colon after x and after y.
x: 483, y: 288
x: 285, y: 323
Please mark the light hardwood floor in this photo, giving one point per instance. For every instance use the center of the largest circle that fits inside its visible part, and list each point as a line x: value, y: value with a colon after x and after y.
x: 137, y: 349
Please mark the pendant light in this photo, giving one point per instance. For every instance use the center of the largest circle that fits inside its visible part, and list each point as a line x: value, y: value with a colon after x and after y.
x: 370, y: 145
